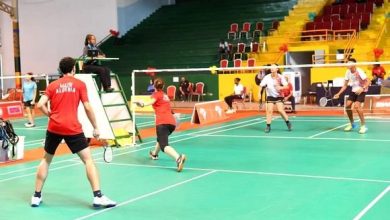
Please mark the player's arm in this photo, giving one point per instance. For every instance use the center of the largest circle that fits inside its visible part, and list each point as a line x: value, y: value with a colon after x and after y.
x: 34, y: 94
x: 91, y: 116
x: 343, y: 88
x: 42, y: 105
x: 143, y: 104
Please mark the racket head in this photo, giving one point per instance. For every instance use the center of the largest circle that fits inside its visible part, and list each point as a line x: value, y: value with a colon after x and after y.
x: 323, y: 101
x: 107, y: 154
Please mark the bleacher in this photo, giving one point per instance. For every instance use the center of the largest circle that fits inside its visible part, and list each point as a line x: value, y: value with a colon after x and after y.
x: 186, y: 35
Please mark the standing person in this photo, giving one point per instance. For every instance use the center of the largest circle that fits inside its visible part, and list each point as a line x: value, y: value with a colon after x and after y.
x: 165, y: 124
x: 64, y: 95
x: 237, y: 94
x: 274, y: 84
x: 288, y: 94
x: 29, y: 95
x: 94, y: 66
x: 259, y: 76
x: 184, y: 88
x: 359, y: 81
x: 223, y: 49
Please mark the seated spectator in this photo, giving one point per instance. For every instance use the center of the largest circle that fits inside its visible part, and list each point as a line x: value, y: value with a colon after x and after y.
x: 237, y: 94
x: 223, y: 50
x: 184, y: 88
x: 378, y: 74
x: 288, y: 94
x: 150, y: 88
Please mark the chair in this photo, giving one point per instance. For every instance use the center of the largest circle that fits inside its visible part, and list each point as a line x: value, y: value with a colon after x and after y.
x: 366, y: 18
x: 171, y: 92
x: 246, y: 27
x: 311, y: 95
x: 237, y: 63
x: 251, y: 63
x: 258, y: 32
x: 255, y: 47
x: 233, y: 31
x: 245, y: 98
x: 199, y: 87
x: 224, y: 64
x: 190, y: 90
x: 240, y: 51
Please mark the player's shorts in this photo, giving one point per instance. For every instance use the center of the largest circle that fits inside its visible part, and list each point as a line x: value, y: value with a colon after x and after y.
x: 163, y: 131
x: 76, y: 142
x: 27, y: 104
x: 357, y: 98
x: 271, y: 99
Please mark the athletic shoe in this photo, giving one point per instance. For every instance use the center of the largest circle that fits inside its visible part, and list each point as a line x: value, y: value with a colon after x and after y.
x: 289, y: 126
x: 363, y: 129
x: 230, y: 111
x: 36, y: 201
x: 153, y: 156
x: 267, y: 129
x: 350, y: 127
x: 103, y: 202
x: 28, y: 125
x: 180, y: 162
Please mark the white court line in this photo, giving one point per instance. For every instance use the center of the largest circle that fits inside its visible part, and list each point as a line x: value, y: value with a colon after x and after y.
x: 132, y: 150
x: 371, y: 204
x: 327, y: 131
x: 293, y: 137
x: 259, y: 173
x: 147, y: 195
x: 32, y: 129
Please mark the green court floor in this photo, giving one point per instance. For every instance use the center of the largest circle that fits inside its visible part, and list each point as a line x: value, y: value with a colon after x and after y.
x: 234, y: 171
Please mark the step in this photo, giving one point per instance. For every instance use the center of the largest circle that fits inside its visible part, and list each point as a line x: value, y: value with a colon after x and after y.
x: 114, y: 105
x: 120, y: 120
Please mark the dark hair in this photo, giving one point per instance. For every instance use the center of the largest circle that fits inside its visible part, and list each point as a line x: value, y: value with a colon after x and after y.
x: 158, y: 84
x: 87, y: 39
x: 238, y: 79
x: 66, y: 65
x: 32, y: 78
x: 352, y: 60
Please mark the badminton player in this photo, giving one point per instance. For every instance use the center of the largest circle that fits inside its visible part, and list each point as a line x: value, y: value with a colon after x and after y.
x: 274, y: 84
x: 64, y: 95
x: 359, y: 81
x: 165, y: 124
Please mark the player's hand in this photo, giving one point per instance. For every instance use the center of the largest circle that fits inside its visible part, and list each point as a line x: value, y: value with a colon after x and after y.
x: 336, y: 96
x: 139, y: 103
x: 358, y: 91
x: 285, y: 99
x: 96, y: 133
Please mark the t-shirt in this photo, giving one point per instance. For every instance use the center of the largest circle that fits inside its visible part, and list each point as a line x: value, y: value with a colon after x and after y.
x: 65, y: 95
x: 272, y: 83
x: 184, y: 85
x: 162, y: 108
x: 356, y: 79
x: 238, y: 89
x: 379, y: 72
x: 286, y: 92
x: 28, y: 90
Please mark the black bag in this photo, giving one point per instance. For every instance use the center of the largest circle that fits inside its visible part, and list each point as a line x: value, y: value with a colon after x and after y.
x: 8, y: 135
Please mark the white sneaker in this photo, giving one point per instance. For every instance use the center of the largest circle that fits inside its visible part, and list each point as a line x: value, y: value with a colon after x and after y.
x: 36, y: 201
x: 103, y: 202
x: 230, y: 111
x: 363, y: 129
x: 350, y: 127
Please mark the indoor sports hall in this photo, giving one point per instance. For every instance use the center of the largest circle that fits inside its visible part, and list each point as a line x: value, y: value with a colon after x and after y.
x: 280, y: 109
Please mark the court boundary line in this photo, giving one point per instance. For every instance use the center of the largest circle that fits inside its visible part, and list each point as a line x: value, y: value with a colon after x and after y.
x: 296, y: 137
x: 372, y: 203
x: 327, y: 131
x: 260, y: 173
x: 147, y: 195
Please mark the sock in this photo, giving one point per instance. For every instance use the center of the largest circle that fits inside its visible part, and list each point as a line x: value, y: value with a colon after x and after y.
x: 97, y: 193
x: 287, y: 122
x: 37, y: 194
x: 268, y: 125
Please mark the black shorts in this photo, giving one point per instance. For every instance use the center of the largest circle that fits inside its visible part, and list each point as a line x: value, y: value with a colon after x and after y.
x: 27, y: 104
x: 271, y: 99
x: 357, y: 98
x: 76, y: 143
x: 163, y: 131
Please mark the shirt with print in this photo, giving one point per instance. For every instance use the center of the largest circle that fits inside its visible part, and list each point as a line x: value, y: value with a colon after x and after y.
x: 162, y: 108
x: 65, y: 95
x: 356, y: 79
x: 238, y: 89
x: 28, y: 90
x: 271, y: 84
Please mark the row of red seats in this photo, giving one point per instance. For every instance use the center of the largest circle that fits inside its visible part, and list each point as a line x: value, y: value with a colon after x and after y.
x: 344, y: 9
x: 235, y: 32
x: 333, y: 25
x: 237, y: 63
x: 240, y: 50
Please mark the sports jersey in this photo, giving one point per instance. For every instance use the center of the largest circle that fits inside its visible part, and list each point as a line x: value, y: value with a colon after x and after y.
x: 28, y: 90
x: 162, y: 108
x: 272, y: 83
x: 356, y: 79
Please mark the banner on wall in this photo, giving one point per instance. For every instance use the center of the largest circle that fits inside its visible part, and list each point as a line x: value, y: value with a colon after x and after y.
x: 11, y: 109
x: 207, y: 112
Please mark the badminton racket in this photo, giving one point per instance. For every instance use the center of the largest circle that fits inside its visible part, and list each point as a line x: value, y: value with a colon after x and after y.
x: 107, y: 154
x: 324, y: 101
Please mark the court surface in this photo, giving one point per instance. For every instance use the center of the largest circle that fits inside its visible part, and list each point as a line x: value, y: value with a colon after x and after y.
x: 234, y: 171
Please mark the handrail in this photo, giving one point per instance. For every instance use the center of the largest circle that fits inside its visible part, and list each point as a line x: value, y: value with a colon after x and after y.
x: 380, y: 36
x: 349, y: 46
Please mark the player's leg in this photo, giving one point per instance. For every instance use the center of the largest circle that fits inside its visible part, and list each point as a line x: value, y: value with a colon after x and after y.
x: 348, y: 108
x: 359, y: 110
x: 280, y: 107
